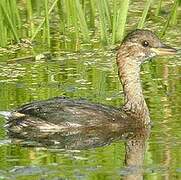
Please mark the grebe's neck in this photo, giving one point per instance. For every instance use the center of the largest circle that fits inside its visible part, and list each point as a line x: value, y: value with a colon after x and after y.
x: 129, y: 73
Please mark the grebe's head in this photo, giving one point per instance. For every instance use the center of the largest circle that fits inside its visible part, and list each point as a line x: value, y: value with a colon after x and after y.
x: 140, y: 45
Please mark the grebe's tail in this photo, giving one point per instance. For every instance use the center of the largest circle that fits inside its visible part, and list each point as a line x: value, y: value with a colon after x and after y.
x: 6, y: 114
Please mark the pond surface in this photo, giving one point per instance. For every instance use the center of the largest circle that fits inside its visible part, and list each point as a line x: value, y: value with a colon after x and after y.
x: 92, y: 74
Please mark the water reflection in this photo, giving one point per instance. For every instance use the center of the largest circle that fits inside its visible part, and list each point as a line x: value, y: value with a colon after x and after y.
x: 25, y: 82
x: 135, y: 147
x: 133, y: 136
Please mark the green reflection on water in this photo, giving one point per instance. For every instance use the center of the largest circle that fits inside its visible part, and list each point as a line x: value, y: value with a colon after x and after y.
x: 93, y: 77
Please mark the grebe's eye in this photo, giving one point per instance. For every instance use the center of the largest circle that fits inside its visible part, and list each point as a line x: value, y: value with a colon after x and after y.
x: 145, y: 44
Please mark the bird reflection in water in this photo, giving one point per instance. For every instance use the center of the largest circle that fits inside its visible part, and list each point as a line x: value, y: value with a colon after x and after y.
x: 134, y: 137
x: 135, y: 148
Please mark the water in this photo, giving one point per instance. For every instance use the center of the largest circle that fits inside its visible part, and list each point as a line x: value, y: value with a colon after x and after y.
x: 92, y: 74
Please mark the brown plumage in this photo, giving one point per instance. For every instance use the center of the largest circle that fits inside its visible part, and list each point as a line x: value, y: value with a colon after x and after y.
x: 64, y: 115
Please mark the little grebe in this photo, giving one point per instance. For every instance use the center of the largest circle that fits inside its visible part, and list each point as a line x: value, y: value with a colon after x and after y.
x: 62, y: 114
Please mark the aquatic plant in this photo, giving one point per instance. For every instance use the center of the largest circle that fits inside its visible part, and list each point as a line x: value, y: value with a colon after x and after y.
x: 75, y: 20
x: 9, y: 22
x: 144, y: 14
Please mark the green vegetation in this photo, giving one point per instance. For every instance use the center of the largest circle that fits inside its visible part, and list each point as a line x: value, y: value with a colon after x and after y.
x: 77, y: 20
x: 144, y: 14
x: 172, y: 18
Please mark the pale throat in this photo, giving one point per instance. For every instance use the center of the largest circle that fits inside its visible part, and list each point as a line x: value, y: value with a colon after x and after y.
x: 129, y: 73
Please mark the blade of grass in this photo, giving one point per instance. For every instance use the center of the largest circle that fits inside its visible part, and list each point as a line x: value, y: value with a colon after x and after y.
x: 120, y: 21
x: 43, y: 21
x: 172, y: 13
x: 61, y: 13
x: 73, y: 25
x: 47, y: 25
x: 158, y: 8
x: 107, y: 13
x: 92, y: 13
x: 82, y: 21
x: 68, y: 13
x: 14, y: 13
x: 103, y: 21
x: 8, y: 20
x: 115, y: 9
x: 3, y: 35
x: 173, y: 20
x: 144, y: 14
x: 30, y: 17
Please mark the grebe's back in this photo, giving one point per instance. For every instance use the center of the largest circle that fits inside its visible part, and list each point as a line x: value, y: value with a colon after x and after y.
x: 63, y: 114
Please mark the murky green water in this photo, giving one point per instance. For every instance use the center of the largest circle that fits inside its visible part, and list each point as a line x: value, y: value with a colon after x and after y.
x: 92, y: 74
